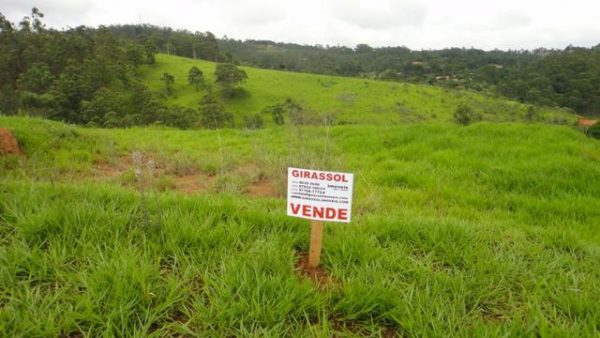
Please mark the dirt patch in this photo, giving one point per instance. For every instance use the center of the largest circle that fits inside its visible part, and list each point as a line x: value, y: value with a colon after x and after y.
x: 192, y: 184
x: 317, y: 275
x: 103, y: 169
x: 263, y: 188
x: 8, y: 143
x: 390, y: 332
x: 261, y: 185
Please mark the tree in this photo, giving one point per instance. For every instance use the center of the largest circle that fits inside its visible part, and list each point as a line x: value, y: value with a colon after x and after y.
x: 363, y: 48
x: 277, y: 114
x: 464, y: 114
x: 181, y: 117
x: 195, y: 77
x: 169, y: 81
x: 212, y: 112
x: 36, y: 79
x: 150, y: 49
x: 228, y: 76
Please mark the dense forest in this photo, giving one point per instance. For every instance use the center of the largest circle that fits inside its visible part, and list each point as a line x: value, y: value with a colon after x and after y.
x: 81, y: 75
x: 89, y: 75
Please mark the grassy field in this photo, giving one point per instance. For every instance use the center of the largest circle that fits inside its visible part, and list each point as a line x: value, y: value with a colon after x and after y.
x: 485, y: 230
x: 348, y: 100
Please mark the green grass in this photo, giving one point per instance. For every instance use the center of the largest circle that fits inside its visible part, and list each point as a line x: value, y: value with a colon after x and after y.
x: 485, y: 230
x: 348, y: 100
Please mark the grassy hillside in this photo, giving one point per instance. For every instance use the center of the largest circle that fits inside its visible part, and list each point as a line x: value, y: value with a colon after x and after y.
x: 348, y: 100
x: 485, y: 230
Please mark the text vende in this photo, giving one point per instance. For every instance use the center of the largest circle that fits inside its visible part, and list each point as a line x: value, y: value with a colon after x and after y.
x: 327, y: 213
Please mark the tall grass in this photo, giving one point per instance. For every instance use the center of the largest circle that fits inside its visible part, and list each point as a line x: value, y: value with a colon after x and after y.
x: 485, y: 230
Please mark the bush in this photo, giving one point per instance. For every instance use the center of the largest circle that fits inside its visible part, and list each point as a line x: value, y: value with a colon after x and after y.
x: 213, y: 114
x: 254, y: 121
x: 594, y: 130
x: 464, y: 114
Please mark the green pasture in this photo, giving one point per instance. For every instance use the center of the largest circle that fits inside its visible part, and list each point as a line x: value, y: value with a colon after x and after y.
x: 347, y: 100
x: 485, y: 230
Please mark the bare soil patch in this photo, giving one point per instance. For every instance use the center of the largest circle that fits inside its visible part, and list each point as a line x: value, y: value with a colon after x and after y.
x: 192, y: 184
x: 190, y: 181
x: 8, y: 143
x: 104, y: 169
x: 263, y: 188
x: 317, y: 275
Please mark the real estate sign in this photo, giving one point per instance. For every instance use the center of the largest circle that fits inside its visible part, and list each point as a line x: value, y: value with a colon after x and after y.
x: 319, y: 195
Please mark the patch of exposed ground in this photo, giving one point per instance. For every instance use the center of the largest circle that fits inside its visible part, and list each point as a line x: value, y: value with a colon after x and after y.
x: 317, y: 275
x: 193, y: 184
x: 8, y: 143
x: 104, y: 169
x: 262, y: 185
x: 262, y: 188
x: 189, y: 181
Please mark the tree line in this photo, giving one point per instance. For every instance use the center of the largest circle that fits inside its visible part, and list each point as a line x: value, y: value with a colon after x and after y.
x: 89, y: 76
x: 566, y: 78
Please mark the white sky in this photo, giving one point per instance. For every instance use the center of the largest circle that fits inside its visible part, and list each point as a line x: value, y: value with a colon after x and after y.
x: 417, y: 24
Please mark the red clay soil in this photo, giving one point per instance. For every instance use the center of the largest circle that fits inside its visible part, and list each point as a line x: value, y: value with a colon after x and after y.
x: 585, y: 123
x: 317, y: 275
x: 104, y: 169
x: 8, y: 143
x: 262, y: 188
x: 192, y: 184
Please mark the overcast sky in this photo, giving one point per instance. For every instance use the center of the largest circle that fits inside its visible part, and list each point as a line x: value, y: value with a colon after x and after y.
x: 417, y: 24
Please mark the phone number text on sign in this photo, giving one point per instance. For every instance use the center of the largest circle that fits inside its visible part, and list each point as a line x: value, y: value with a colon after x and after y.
x: 320, y: 195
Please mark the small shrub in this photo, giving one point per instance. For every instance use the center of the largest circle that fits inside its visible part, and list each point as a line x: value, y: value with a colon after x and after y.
x: 254, y: 121
x: 594, y: 130
x: 531, y: 114
x: 464, y: 114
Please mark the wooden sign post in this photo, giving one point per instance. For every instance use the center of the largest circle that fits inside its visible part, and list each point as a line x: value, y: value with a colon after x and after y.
x: 319, y: 196
x: 316, y: 243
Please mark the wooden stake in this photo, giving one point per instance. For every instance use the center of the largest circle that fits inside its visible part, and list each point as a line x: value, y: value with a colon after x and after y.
x: 316, y: 242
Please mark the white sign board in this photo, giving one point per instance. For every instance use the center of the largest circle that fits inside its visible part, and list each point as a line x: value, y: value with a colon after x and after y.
x: 319, y: 195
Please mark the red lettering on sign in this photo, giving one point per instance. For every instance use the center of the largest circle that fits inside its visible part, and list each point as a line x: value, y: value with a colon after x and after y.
x: 295, y: 208
x: 306, y: 211
x: 343, y: 214
x: 314, y: 175
x: 319, y: 212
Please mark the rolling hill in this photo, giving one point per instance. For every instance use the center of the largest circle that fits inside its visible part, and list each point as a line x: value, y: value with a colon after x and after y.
x: 347, y: 100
